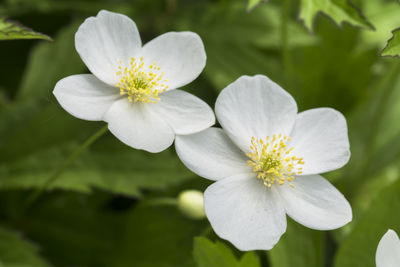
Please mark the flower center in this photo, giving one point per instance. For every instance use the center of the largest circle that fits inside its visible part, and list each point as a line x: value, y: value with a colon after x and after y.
x: 272, y: 162
x: 139, y: 83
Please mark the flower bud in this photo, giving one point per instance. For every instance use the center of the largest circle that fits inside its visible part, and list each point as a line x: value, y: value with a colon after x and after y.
x: 191, y: 204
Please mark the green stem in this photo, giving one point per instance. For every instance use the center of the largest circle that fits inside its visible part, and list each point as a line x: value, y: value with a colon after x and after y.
x: 162, y: 201
x: 286, y: 58
x: 67, y: 162
x: 207, y: 231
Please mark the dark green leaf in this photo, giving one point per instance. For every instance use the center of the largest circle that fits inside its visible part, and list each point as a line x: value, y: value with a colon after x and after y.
x: 244, y: 49
x: 109, y: 165
x: 79, y: 230
x: 17, y: 252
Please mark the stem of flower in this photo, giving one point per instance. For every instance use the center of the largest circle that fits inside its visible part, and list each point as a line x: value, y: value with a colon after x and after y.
x: 162, y: 201
x: 286, y: 58
x: 207, y: 231
x: 66, y: 163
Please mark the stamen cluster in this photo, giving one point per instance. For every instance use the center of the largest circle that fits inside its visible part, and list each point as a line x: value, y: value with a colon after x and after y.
x: 141, y: 85
x: 271, y: 160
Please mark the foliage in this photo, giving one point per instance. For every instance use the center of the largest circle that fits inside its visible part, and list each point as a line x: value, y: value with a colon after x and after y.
x: 15, y: 251
x: 305, y: 248
x: 11, y: 30
x: 209, y: 254
x: 393, y: 46
x: 114, y: 206
x: 369, y: 230
x: 253, y: 3
x: 338, y: 10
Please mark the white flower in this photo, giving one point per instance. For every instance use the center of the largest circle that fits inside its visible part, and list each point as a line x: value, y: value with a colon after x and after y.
x: 132, y: 86
x: 388, y: 252
x: 265, y: 161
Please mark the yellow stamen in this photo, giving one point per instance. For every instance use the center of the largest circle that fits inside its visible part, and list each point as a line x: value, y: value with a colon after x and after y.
x: 272, y: 162
x: 141, y: 85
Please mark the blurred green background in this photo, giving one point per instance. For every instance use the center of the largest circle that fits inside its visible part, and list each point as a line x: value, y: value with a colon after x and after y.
x: 104, y: 209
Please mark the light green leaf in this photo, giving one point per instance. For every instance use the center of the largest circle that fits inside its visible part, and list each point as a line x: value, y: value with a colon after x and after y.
x: 12, y: 30
x: 298, y: 247
x: 359, y: 247
x: 253, y: 3
x: 209, y: 254
x: 393, y: 45
x: 17, y: 252
x: 384, y: 15
x: 339, y: 11
x: 250, y: 259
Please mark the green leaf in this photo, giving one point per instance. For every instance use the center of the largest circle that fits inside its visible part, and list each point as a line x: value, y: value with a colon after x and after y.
x: 384, y: 15
x: 298, y: 247
x: 245, y: 48
x: 359, y: 247
x: 17, y: 252
x: 339, y: 11
x: 12, y: 30
x: 109, y: 165
x: 82, y: 230
x: 209, y: 254
x: 393, y: 45
x: 251, y: 4
x: 250, y: 259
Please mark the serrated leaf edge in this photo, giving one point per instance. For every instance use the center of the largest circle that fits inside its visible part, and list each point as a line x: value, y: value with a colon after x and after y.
x: 35, y: 33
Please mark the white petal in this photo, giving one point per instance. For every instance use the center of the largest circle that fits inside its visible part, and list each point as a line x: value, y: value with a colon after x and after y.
x: 255, y: 106
x: 180, y: 55
x: 211, y: 154
x: 388, y: 252
x: 85, y: 97
x: 320, y: 137
x: 245, y: 212
x: 185, y: 113
x: 103, y: 40
x: 138, y: 127
x: 315, y: 203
